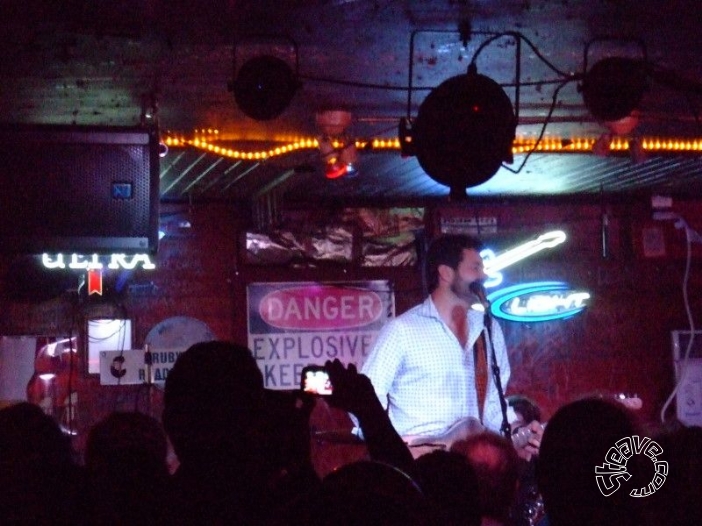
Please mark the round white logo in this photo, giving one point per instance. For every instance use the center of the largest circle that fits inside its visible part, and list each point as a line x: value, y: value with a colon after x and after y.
x: 609, y: 475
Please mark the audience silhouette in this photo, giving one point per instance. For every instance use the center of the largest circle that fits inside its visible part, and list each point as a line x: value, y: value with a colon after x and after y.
x: 126, y: 469
x: 452, y: 487
x: 244, y: 458
x: 678, y: 500
x: 576, y: 440
x: 354, y: 393
x: 41, y: 483
x: 232, y: 438
x: 364, y: 493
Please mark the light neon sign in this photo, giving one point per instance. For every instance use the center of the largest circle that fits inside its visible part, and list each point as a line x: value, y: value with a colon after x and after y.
x: 539, y: 301
x: 496, y: 262
x: 95, y: 261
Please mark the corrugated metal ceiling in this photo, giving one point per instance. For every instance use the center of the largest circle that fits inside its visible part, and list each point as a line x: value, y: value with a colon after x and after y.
x: 172, y: 62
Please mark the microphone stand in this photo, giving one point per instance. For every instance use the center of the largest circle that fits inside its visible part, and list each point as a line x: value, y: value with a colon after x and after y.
x: 148, y: 363
x: 505, y: 429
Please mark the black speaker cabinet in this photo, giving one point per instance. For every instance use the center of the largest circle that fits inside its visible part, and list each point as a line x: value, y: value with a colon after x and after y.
x: 78, y: 189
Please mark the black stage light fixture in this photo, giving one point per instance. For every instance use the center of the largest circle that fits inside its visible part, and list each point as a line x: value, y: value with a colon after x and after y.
x: 613, y: 88
x: 264, y: 87
x: 464, y: 131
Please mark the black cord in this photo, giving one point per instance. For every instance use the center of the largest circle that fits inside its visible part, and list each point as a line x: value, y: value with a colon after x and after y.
x: 519, y: 36
x: 554, y: 100
x: 366, y: 85
x: 71, y: 367
x: 694, y: 111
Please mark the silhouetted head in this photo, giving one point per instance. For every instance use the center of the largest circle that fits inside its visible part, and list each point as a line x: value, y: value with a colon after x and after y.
x: 575, y: 441
x: 40, y: 482
x: 365, y: 493
x: 129, y: 443
x: 212, y: 397
x: 32, y: 438
x: 677, y: 501
x: 451, y: 485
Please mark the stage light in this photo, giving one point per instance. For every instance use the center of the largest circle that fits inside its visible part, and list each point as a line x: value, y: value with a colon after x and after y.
x: 264, y: 87
x: 339, y: 160
x: 464, y: 131
x: 613, y: 88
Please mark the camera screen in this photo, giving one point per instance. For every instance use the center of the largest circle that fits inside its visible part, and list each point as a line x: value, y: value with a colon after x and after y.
x: 317, y: 382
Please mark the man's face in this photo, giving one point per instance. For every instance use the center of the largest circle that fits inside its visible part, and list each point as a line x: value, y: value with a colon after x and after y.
x: 470, y: 269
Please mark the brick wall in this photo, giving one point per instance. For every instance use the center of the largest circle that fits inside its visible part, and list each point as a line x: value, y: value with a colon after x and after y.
x: 620, y: 343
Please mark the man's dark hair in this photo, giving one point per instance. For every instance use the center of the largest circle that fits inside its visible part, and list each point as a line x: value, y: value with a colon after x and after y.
x: 525, y: 407
x: 447, y: 250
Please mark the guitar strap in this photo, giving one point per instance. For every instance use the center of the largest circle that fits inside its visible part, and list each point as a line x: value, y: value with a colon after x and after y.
x: 481, y: 371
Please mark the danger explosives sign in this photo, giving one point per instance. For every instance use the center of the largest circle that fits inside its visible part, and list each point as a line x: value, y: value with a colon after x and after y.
x: 292, y: 325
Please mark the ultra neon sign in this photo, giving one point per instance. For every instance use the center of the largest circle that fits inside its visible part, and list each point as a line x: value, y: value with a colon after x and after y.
x: 539, y: 301
x: 95, y: 261
x: 93, y: 265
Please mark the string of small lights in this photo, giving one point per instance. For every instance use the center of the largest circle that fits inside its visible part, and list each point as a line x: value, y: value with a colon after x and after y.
x: 208, y: 140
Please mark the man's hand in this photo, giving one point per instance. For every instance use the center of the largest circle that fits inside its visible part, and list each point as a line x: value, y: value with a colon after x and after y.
x: 527, y: 439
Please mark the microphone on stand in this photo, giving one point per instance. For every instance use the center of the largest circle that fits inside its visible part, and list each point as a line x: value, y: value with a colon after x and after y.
x: 148, y: 362
x: 478, y: 290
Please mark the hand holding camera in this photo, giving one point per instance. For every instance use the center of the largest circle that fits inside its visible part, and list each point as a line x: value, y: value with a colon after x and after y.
x: 343, y: 387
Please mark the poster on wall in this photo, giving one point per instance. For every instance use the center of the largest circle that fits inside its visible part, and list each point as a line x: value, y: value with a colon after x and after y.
x: 295, y: 324
x: 687, y: 362
x: 16, y: 367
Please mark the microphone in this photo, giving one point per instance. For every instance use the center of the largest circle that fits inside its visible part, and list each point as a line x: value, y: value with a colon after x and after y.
x: 478, y: 290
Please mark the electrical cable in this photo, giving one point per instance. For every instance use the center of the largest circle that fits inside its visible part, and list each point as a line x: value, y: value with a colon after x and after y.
x: 69, y: 409
x: 520, y: 36
x: 394, y: 87
x: 554, y: 101
x: 691, y: 322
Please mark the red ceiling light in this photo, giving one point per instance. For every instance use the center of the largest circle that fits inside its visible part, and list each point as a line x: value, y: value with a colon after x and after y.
x: 339, y: 159
x: 337, y: 149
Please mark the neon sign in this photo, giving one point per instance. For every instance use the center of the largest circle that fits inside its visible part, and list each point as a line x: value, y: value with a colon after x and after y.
x: 496, y: 262
x: 539, y: 301
x: 95, y: 261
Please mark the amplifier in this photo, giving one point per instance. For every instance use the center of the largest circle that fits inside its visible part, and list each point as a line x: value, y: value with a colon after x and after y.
x: 78, y: 189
